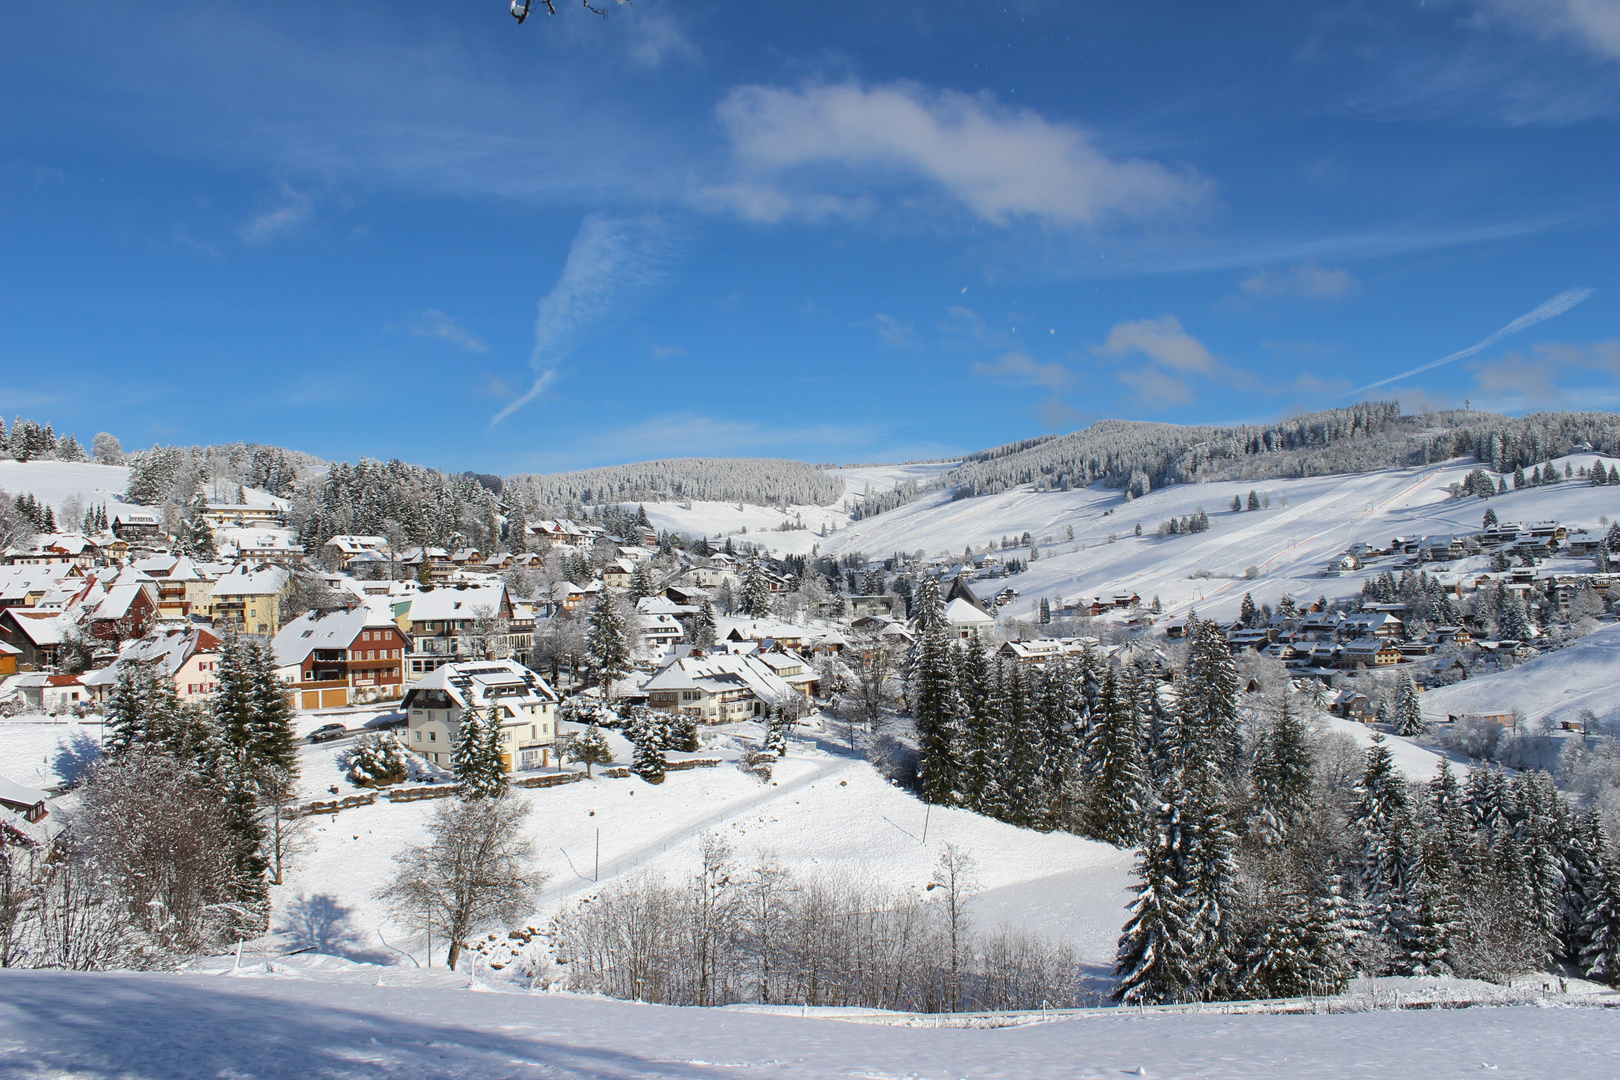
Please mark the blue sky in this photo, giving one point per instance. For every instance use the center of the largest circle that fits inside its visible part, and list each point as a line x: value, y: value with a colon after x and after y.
x: 839, y: 232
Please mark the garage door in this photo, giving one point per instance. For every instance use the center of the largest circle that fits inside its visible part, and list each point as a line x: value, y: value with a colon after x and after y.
x: 332, y: 699
x: 309, y: 699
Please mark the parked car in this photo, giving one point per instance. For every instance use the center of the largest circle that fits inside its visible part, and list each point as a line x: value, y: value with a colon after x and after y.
x: 327, y: 731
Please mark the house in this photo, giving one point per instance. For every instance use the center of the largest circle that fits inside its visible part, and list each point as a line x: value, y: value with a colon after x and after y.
x: 1352, y: 704
x: 190, y: 657
x: 342, y: 657
x: 8, y: 659
x: 1452, y: 635
x: 717, y: 688
x: 248, y: 599
x: 28, y: 803
x: 617, y: 574
x: 1442, y: 547
x: 1582, y: 543
x: 1368, y: 651
x: 464, y: 621
x: 344, y: 548
x: 791, y: 668
x: 53, y: 694
x: 659, y: 631
x: 1044, y: 650
x: 260, y: 544
x: 135, y: 523
x: 860, y: 606
x: 524, y: 703
x: 221, y: 515
x: 34, y: 636
x: 1256, y: 639
x: 1380, y: 624
x: 56, y: 549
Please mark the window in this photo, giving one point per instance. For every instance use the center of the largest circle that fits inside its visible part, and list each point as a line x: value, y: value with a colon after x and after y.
x: 433, y: 736
x: 418, y: 734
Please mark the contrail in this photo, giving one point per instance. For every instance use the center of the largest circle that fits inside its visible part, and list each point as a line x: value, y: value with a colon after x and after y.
x: 1556, y: 306
x: 610, y: 259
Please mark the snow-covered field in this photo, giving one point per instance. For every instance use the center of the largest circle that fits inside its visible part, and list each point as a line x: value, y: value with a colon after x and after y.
x: 1549, y: 689
x: 316, y: 1017
x: 54, y: 482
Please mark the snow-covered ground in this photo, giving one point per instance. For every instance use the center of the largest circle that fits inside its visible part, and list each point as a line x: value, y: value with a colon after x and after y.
x: 54, y: 482
x: 320, y: 1018
x: 823, y: 813
x: 1549, y: 689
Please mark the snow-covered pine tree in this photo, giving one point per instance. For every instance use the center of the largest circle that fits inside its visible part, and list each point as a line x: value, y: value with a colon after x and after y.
x: 591, y: 749
x: 1117, y: 791
x: 1282, y: 769
x: 703, y: 625
x: 1207, y: 701
x: 927, y: 608
x: 776, y: 732
x: 607, y: 646
x: 1515, y: 624
x: 1595, y: 914
x: 128, y: 707
x: 274, y: 747
x: 493, y: 756
x: 938, y: 711
x: 648, y: 760
x: 1156, y: 961
x: 1381, y: 824
x: 755, y: 602
x: 1408, y: 716
x: 1247, y: 613
x: 467, y: 752
x: 1435, y: 914
x: 1211, y: 879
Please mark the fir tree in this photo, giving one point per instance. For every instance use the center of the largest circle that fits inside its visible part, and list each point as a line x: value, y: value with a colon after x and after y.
x: 607, y: 649
x: 1408, y: 716
x: 1382, y: 825
x: 492, y: 772
x: 648, y: 760
x: 274, y: 747
x: 376, y: 759
x: 938, y: 711
x: 703, y: 626
x: 755, y: 602
x: 1207, y: 701
x: 1156, y: 959
x: 591, y: 748
x: 1282, y: 770
x: 927, y: 610
x: 467, y: 753
x: 1116, y: 796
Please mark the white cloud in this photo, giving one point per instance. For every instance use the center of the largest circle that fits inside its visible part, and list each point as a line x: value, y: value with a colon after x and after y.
x: 1592, y: 24
x: 1019, y: 368
x: 610, y: 260
x: 1162, y: 339
x: 436, y: 324
x: 655, y: 36
x: 1308, y: 280
x: 295, y: 208
x: 1000, y: 164
x: 1154, y: 388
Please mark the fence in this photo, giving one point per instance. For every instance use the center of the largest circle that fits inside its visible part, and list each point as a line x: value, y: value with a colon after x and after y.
x: 332, y: 806
x: 689, y: 763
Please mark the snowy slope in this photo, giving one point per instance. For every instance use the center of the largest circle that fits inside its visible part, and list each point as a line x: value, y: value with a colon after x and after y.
x: 54, y: 481
x: 302, y: 1019
x: 1551, y: 688
x: 1309, y: 521
x: 729, y: 519
x: 824, y: 813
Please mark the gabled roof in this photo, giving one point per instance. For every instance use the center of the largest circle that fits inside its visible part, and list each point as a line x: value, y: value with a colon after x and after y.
x: 260, y: 581
x: 436, y: 605
x: 960, y: 612
x: 329, y: 630
x: 719, y: 672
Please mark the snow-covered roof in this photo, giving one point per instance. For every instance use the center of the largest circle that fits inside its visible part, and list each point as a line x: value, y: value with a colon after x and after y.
x: 478, y: 683
x: 437, y: 605
x: 719, y: 672
x: 961, y: 613
x: 329, y: 630
x: 259, y: 581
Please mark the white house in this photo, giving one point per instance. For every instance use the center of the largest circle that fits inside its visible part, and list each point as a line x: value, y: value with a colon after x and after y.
x: 526, y: 707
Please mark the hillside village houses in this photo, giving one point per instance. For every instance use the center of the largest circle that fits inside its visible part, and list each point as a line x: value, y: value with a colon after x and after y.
x: 440, y: 629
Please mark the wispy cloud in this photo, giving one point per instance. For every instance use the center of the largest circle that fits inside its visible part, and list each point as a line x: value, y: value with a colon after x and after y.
x: 656, y: 36
x: 1162, y: 339
x: 436, y: 324
x: 291, y: 211
x: 892, y: 332
x: 1154, y: 388
x: 1000, y: 165
x: 1308, y: 280
x: 1593, y: 25
x: 611, y: 260
x: 1551, y: 309
x: 1025, y: 370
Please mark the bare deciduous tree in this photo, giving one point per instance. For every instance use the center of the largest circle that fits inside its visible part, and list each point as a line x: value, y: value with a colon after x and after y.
x: 475, y: 871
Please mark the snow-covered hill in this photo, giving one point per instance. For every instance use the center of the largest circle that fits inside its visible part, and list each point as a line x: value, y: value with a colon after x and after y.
x: 1548, y: 690
x: 1308, y: 521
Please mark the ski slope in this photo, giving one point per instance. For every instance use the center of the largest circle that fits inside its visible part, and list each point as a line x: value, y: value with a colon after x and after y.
x: 1308, y: 522
x: 318, y: 1018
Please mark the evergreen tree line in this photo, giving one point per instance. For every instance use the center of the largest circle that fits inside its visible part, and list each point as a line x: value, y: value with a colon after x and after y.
x: 760, y: 481
x: 29, y: 440
x: 1264, y: 870
x: 184, y: 822
x: 406, y: 504
x: 177, y: 475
